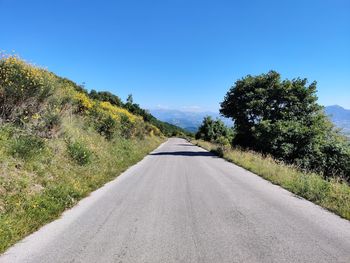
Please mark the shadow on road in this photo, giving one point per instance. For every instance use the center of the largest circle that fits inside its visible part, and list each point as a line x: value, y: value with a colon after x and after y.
x: 185, y: 153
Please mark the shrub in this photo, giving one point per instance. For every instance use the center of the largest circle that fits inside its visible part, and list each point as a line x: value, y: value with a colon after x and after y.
x: 152, y: 130
x: 219, y: 151
x: 224, y: 141
x: 52, y: 120
x: 26, y: 146
x: 79, y: 153
x: 117, y: 112
x: 106, y: 96
x: 83, y: 102
x: 107, y: 127
x: 127, y: 127
x: 23, y: 89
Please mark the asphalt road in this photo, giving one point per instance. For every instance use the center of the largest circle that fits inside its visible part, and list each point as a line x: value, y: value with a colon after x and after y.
x: 182, y: 204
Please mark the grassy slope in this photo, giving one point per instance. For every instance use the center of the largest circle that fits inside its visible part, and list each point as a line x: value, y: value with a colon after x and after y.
x: 57, y: 145
x: 332, y: 195
x: 36, y: 191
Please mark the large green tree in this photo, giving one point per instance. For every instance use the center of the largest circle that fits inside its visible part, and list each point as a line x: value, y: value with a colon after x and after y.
x: 283, y: 118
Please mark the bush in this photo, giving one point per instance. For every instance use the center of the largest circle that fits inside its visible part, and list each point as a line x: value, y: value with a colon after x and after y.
x: 106, y: 96
x: 107, y: 127
x: 83, y: 102
x: 52, y: 120
x: 127, y: 127
x: 223, y: 141
x: 23, y: 89
x: 219, y: 151
x: 79, y: 153
x: 26, y: 146
x: 152, y: 130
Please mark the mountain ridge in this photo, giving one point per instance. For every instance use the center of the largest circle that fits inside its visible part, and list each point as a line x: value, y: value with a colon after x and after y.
x: 191, y: 120
x: 340, y: 117
x: 188, y: 120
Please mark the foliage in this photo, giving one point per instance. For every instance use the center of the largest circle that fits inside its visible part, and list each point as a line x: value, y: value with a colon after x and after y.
x: 83, y: 102
x: 282, y: 118
x: 23, y: 89
x: 71, y: 84
x: 26, y: 146
x: 212, y: 130
x: 79, y: 152
x: 38, y: 111
x: 152, y: 130
x: 115, y: 106
x: 107, y: 127
x: 52, y: 120
x: 106, y: 96
x: 118, y: 113
x: 111, y: 120
x: 36, y: 192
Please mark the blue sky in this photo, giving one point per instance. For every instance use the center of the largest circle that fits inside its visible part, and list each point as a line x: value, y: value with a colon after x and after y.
x: 183, y: 54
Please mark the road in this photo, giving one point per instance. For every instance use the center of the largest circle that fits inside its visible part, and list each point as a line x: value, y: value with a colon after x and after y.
x: 182, y: 204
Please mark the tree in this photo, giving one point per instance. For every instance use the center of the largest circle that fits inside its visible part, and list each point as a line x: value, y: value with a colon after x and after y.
x: 130, y: 99
x: 212, y: 130
x: 282, y: 118
x: 106, y: 96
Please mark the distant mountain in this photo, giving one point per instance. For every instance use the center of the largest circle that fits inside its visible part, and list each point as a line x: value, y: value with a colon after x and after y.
x: 189, y: 121
x: 340, y: 117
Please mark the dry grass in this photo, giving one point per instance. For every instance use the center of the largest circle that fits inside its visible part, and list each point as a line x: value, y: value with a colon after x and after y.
x: 333, y: 195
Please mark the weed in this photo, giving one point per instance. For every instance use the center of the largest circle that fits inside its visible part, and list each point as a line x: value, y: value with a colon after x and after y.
x: 79, y: 152
x: 26, y: 146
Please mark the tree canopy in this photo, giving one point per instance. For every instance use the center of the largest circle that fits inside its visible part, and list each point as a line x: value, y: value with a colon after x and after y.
x: 282, y: 118
x: 214, y: 130
x: 106, y: 96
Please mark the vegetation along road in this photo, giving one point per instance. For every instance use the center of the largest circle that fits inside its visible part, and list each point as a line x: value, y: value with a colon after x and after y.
x: 183, y: 204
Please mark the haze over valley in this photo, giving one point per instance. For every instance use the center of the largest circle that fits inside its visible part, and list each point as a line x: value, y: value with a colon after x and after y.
x: 191, y: 120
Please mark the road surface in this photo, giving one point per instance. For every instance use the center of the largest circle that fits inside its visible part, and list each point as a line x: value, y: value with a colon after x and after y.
x: 182, y: 204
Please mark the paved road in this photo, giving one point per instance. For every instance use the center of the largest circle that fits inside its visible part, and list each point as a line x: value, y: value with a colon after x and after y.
x: 182, y: 204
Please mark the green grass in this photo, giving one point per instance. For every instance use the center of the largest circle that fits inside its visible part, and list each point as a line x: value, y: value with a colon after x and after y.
x: 36, y: 186
x: 330, y: 194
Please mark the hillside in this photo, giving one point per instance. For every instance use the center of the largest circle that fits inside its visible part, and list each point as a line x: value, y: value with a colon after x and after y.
x: 340, y: 117
x: 189, y: 121
x: 58, y: 143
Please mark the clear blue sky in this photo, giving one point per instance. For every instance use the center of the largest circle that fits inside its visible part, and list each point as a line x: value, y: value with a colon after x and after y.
x: 183, y: 54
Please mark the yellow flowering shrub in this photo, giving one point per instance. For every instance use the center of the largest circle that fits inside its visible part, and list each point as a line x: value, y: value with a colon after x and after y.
x: 84, y: 102
x: 152, y: 130
x: 23, y: 87
x: 112, y: 119
x: 36, y: 98
x: 117, y: 112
